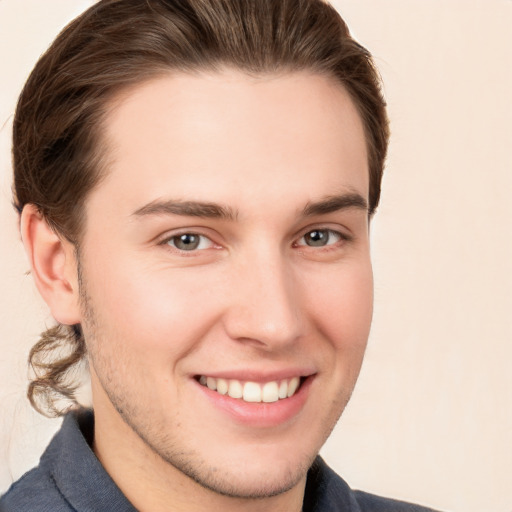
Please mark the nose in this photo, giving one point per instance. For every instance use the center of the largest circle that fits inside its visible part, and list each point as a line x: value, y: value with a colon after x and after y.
x: 264, y: 303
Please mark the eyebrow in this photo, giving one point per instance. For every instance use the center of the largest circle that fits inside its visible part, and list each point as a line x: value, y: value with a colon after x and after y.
x: 187, y: 208
x: 216, y: 211
x: 335, y: 203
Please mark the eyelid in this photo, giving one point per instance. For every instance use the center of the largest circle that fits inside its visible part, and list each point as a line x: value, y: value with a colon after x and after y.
x: 338, y: 231
x: 344, y: 234
x: 164, y: 239
x: 329, y: 245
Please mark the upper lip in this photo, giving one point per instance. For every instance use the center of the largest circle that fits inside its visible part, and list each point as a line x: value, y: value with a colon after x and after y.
x: 259, y: 376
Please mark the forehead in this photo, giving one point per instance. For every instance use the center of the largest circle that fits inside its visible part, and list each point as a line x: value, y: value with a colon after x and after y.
x: 233, y: 137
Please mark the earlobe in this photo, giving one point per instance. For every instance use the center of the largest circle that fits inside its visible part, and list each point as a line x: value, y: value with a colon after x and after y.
x: 53, y: 265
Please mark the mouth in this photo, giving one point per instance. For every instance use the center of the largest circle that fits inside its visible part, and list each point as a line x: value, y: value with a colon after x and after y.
x: 253, y: 392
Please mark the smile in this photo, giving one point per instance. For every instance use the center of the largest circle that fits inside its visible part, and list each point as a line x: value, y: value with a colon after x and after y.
x: 267, y: 392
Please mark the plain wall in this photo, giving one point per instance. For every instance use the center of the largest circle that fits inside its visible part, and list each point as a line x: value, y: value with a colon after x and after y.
x: 431, y: 417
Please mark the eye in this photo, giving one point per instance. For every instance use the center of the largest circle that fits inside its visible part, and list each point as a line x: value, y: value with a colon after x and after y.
x: 189, y: 242
x: 320, y: 238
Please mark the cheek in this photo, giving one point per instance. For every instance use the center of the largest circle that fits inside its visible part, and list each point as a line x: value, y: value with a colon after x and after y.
x: 345, y: 314
x: 344, y: 305
x: 159, y: 313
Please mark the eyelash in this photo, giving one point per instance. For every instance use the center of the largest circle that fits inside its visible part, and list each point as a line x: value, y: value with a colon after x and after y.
x: 341, y: 238
x: 176, y: 237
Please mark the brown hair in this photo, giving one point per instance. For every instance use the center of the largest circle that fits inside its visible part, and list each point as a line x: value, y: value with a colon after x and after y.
x: 117, y: 43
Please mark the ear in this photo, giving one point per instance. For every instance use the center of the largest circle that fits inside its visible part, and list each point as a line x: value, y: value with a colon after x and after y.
x: 53, y: 264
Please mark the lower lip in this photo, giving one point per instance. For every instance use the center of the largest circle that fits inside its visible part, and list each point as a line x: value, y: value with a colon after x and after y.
x: 260, y: 414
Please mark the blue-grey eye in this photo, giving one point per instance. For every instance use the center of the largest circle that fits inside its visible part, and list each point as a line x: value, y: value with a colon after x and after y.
x: 320, y: 238
x: 190, y: 242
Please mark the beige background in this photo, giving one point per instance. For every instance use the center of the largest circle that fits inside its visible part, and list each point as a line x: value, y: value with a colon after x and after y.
x: 431, y: 418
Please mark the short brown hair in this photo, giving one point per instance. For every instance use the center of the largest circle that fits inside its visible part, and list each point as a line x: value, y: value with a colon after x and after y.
x: 118, y: 43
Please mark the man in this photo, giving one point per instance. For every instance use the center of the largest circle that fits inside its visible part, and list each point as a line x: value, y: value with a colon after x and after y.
x: 195, y: 181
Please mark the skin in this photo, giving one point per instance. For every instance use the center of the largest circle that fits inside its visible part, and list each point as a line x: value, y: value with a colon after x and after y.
x: 254, y: 298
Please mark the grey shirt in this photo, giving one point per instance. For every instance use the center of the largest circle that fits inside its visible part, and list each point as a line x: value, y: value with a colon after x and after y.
x: 69, y: 478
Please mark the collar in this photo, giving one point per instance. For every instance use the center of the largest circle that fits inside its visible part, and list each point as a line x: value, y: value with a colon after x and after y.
x: 77, y: 472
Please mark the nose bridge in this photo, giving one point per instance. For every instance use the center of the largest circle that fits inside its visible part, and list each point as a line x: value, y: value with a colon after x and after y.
x: 264, y: 306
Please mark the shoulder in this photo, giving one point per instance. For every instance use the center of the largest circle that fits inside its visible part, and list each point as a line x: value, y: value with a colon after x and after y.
x: 34, y: 492
x: 328, y: 492
x: 38, y: 490
x: 371, y: 503
x: 69, y: 477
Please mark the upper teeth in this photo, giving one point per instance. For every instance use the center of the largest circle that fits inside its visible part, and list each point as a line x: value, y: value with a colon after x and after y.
x: 252, y: 391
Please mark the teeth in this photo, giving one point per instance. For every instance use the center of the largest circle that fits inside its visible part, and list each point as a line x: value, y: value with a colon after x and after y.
x: 283, y: 389
x: 270, y: 392
x: 252, y: 391
x: 292, y: 387
x: 222, y: 386
x: 235, y: 389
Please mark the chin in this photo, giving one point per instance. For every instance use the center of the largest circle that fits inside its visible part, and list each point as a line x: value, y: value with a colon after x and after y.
x: 247, y: 479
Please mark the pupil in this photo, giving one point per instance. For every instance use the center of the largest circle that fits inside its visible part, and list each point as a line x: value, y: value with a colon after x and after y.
x: 317, y: 238
x: 187, y: 242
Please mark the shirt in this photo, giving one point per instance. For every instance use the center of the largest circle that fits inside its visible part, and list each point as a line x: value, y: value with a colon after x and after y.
x: 70, y: 478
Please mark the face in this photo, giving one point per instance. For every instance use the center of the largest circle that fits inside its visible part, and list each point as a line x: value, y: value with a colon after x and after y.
x: 226, y: 278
